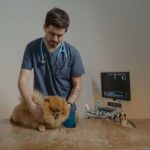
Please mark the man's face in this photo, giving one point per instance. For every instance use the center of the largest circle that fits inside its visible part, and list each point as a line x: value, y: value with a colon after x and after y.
x: 53, y: 35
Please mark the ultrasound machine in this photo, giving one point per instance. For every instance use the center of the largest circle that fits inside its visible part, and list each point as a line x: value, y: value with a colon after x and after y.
x: 115, y: 85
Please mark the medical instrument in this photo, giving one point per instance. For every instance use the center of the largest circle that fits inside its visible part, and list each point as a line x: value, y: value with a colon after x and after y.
x: 61, y: 50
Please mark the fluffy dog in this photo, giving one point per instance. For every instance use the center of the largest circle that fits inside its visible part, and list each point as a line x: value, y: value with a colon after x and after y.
x: 55, y: 112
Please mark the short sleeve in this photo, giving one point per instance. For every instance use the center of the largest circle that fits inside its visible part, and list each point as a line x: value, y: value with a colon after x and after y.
x: 27, y: 62
x: 77, y: 65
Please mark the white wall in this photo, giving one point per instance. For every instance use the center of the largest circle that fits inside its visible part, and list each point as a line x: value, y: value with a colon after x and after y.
x: 111, y: 35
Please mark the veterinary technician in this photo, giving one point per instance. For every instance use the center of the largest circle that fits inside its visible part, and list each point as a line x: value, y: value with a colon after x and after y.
x: 56, y: 64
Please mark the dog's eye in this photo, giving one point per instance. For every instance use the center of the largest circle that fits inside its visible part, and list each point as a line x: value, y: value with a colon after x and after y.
x: 54, y: 109
x: 51, y: 109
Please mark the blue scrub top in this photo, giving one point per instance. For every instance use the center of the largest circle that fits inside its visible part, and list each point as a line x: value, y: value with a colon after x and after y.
x: 54, y: 76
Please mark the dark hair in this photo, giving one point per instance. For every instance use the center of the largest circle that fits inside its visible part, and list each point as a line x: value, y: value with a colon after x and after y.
x: 57, y: 18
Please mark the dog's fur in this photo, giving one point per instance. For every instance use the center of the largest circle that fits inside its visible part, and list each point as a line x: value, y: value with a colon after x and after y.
x: 55, y: 112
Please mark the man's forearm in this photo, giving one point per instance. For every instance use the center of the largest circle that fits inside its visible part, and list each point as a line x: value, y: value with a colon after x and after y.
x: 74, y: 95
x: 25, y: 93
x: 23, y: 87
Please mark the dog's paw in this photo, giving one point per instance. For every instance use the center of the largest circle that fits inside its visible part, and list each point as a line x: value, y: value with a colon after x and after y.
x: 42, y: 128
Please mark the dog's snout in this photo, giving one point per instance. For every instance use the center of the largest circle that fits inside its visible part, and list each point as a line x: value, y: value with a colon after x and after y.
x: 56, y: 115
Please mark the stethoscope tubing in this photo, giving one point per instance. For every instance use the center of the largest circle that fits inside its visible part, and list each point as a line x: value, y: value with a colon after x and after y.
x: 61, y: 50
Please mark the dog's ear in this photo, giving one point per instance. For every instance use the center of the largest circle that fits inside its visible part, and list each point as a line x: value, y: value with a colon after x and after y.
x: 46, y: 99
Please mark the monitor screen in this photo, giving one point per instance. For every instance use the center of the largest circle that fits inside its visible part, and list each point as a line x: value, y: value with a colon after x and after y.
x: 115, y: 85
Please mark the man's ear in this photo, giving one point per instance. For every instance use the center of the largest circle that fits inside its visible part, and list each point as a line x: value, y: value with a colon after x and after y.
x: 44, y: 27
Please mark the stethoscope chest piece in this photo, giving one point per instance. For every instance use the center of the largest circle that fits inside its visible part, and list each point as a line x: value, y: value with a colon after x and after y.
x: 43, y: 61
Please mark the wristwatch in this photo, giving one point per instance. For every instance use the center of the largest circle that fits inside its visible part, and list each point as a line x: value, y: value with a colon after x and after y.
x: 69, y: 103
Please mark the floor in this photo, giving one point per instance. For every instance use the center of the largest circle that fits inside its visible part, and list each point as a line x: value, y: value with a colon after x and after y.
x: 90, y: 134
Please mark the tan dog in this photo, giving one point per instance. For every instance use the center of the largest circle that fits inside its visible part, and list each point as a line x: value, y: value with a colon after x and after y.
x: 55, y: 112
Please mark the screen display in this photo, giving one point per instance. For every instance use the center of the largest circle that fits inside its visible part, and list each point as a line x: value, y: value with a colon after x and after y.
x: 115, y: 85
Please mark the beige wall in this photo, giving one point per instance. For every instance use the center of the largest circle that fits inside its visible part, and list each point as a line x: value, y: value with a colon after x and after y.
x: 112, y: 35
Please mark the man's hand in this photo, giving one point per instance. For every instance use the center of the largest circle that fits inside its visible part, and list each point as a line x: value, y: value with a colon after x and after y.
x: 69, y: 106
x: 37, y: 112
x: 25, y: 93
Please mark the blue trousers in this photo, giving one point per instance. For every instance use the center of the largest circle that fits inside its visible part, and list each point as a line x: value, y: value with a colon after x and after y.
x: 71, y: 121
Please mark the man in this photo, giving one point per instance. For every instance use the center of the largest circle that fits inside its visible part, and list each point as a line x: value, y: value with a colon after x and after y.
x: 57, y: 66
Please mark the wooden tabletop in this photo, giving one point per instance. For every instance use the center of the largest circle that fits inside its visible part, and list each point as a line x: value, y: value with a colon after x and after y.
x: 90, y: 134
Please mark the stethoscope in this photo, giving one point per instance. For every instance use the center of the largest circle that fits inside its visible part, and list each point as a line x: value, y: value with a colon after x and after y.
x: 62, y: 49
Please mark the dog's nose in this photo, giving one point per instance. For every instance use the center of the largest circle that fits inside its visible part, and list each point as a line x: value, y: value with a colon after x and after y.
x: 56, y: 115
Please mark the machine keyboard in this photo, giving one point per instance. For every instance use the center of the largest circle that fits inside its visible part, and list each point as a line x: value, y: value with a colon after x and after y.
x: 103, y: 112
